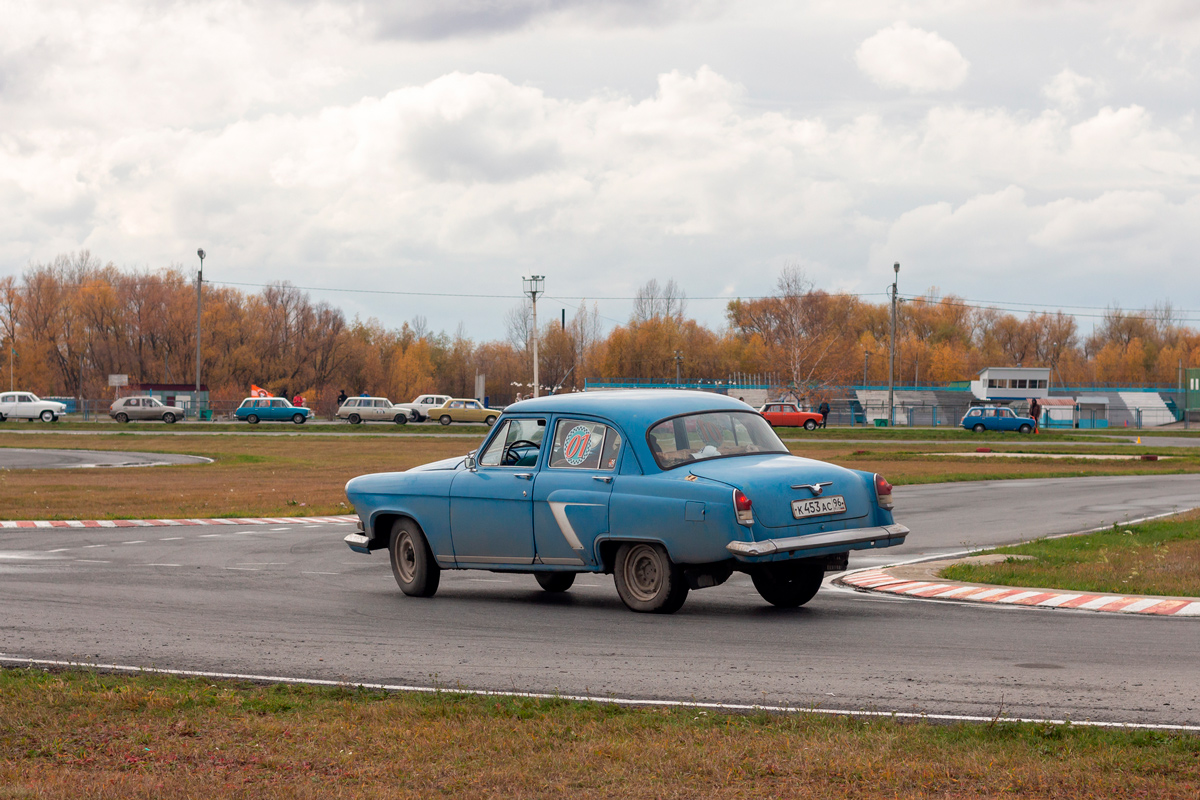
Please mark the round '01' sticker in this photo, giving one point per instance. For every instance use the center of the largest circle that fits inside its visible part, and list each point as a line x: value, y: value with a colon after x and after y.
x: 578, y: 445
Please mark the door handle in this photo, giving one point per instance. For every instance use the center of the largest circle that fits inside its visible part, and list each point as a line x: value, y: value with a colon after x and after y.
x: 526, y: 475
x: 602, y: 478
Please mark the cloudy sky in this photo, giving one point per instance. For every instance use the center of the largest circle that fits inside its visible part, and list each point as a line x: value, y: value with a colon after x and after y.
x: 1035, y: 153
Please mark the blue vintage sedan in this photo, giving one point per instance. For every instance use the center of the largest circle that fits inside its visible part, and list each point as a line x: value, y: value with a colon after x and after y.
x: 666, y: 490
x: 271, y: 409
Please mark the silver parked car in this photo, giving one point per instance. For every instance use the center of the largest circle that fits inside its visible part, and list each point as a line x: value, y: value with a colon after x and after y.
x: 130, y: 408
x: 371, y: 409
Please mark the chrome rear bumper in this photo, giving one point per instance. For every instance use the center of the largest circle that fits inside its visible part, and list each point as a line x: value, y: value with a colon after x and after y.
x: 882, y: 536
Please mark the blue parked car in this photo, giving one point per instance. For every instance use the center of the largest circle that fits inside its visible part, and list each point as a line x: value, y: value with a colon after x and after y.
x: 996, y: 418
x: 666, y: 490
x: 271, y: 409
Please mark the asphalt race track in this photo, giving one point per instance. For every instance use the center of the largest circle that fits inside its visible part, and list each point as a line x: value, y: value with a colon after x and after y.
x: 293, y: 600
x: 17, y: 458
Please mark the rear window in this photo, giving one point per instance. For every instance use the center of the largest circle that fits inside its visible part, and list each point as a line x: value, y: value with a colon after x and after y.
x: 711, y: 434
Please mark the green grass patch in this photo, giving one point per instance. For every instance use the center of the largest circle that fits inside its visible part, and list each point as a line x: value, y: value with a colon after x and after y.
x: 78, y: 733
x: 1160, y: 557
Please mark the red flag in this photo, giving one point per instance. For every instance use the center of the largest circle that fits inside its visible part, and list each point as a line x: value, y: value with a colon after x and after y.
x: 258, y: 391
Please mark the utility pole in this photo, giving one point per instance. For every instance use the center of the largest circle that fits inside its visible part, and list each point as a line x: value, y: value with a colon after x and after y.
x: 892, y: 358
x: 533, y: 286
x: 678, y: 359
x: 866, y: 363
x: 199, y: 306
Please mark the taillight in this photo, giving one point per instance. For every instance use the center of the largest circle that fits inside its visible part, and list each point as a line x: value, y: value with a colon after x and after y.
x: 744, y: 508
x: 883, y: 492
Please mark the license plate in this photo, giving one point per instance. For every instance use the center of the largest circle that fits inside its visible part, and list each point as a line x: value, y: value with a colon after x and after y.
x: 819, y: 506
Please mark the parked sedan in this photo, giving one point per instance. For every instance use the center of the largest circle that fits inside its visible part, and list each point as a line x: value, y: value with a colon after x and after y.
x: 668, y: 491
x: 371, y: 409
x: 789, y: 415
x: 462, y: 409
x: 27, y: 405
x: 127, y: 408
x: 996, y: 418
x: 271, y: 409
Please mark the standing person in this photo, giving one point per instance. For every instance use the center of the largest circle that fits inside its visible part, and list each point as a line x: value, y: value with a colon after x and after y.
x: 298, y: 401
x: 823, y: 410
x: 341, y: 397
x: 1034, y: 411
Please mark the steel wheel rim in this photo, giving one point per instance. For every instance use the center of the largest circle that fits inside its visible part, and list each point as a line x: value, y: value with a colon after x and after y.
x: 644, y: 573
x: 405, y: 557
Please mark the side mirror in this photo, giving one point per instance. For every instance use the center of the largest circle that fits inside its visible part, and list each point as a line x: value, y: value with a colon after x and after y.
x: 469, y: 462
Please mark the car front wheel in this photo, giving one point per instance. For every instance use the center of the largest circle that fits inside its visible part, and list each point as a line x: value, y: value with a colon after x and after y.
x: 298, y: 419
x: 122, y: 418
x: 979, y: 428
x: 1026, y: 428
x: 647, y: 580
x: 416, y: 573
x: 788, y: 585
x: 400, y: 419
x: 810, y: 425
x: 48, y: 416
x: 445, y: 420
x: 169, y: 418
x: 555, y: 581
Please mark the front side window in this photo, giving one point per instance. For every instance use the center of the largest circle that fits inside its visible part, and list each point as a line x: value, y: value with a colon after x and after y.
x: 583, y: 444
x: 516, y: 444
x: 711, y: 434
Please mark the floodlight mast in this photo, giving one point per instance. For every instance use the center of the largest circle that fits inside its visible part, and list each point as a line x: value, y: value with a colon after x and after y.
x: 533, y: 286
x: 199, y: 305
x: 892, y: 357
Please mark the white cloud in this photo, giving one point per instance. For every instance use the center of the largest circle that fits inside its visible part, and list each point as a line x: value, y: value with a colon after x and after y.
x: 1068, y: 89
x: 903, y: 57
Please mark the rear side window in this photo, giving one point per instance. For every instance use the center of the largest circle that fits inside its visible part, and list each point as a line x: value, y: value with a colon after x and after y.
x: 583, y: 444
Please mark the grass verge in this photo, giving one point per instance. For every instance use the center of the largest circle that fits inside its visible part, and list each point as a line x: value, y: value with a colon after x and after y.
x: 76, y: 733
x: 1160, y: 557
x: 300, y: 475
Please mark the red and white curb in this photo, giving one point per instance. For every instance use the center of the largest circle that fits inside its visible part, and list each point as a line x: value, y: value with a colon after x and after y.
x: 880, y: 580
x: 169, y: 523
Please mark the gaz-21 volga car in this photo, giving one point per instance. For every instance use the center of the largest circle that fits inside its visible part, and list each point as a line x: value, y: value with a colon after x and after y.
x: 666, y: 490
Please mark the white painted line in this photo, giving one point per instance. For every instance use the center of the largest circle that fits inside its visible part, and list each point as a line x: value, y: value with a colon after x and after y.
x: 488, y: 580
x: 245, y: 569
x: 320, y: 573
x: 1190, y: 610
x: 107, y: 523
x: 89, y: 546
x: 75, y: 523
x: 1058, y: 600
x: 59, y: 550
x: 171, y: 539
x: 210, y: 535
x: 136, y: 541
x: 160, y: 565
x: 261, y: 563
x: 618, y: 701
x: 281, y: 529
x: 90, y: 561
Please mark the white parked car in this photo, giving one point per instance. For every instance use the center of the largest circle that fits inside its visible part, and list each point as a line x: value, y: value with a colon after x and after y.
x: 372, y: 409
x: 27, y: 405
x: 419, y: 409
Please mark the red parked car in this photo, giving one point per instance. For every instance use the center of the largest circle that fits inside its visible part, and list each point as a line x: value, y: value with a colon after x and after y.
x: 789, y: 415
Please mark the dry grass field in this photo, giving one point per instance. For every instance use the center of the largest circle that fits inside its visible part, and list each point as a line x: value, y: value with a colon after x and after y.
x: 301, y: 475
x: 82, y: 734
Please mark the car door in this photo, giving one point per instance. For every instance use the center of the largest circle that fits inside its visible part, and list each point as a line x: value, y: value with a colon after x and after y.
x: 27, y: 406
x: 491, y: 507
x: 8, y: 404
x: 572, y: 493
x: 1005, y: 419
x: 791, y: 415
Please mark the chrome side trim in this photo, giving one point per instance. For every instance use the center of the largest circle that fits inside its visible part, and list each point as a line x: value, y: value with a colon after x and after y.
x: 559, y: 510
x: 492, y: 560
x: 565, y: 562
x: 894, y: 534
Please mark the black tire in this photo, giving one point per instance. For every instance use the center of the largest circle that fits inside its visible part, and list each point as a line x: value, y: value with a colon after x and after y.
x: 413, y: 567
x: 979, y: 428
x: 48, y: 416
x: 490, y: 421
x: 810, y: 425
x: 252, y: 419
x: 3, y: 418
x: 169, y: 418
x: 445, y: 419
x: 555, y: 581
x: 789, y: 584
x: 400, y: 419
x: 1026, y: 429
x: 647, y: 580
x: 123, y: 418
x: 298, y: 419
x: 354, y: 419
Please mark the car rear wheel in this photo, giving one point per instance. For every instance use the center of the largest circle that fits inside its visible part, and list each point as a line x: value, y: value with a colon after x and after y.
x: 252, y: 419
x: 169, y: 418
x: 298, y: 419
x: 810, y: 425
x: 789, y: 584
x: 122, y: 418
x: 555, y: 581
x: 490, y: 421
x: 647, y: 580
x: 445, y: 419
x: 416, y: 573
x: 979, y: 428
x: 354, y: 419
x: 48, y: 416
x: 1026, y: 428
x: 400, y: 419
x: 3, y: 418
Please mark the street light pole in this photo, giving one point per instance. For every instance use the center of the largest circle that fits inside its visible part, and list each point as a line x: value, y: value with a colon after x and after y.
x: 533, y: 286
x: 892, y: 358
x: 678, y: 359
x: 199, y: 306
x: 866, y: 364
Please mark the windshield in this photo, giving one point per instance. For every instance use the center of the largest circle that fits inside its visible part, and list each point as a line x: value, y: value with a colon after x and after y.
x: 712, y: 434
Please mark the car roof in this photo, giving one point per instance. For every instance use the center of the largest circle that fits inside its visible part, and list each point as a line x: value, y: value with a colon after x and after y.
x: 635, y: 409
